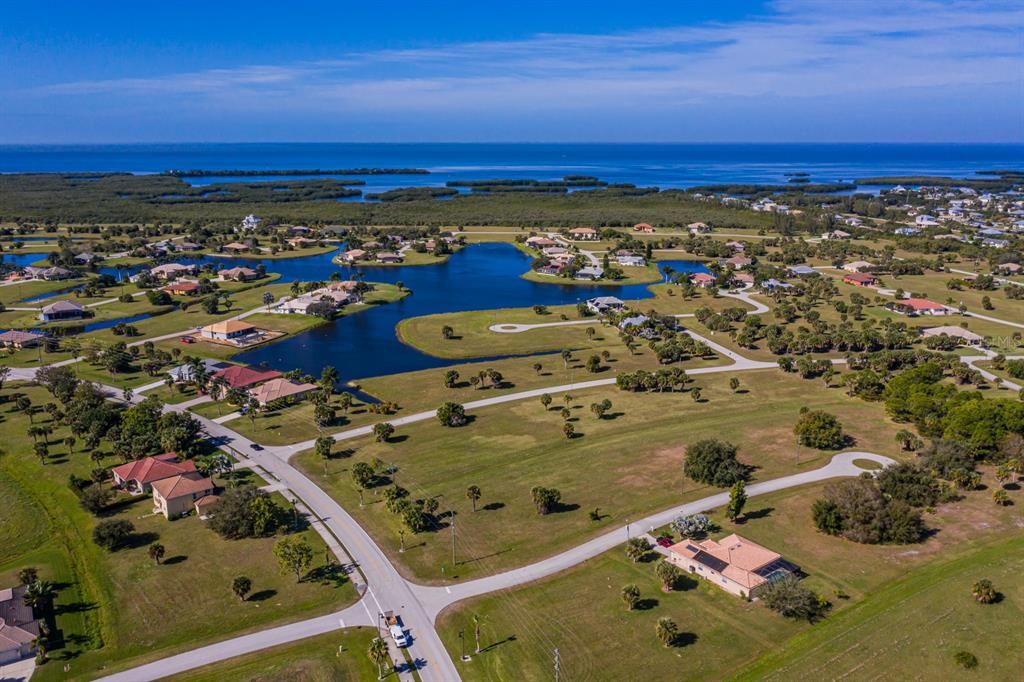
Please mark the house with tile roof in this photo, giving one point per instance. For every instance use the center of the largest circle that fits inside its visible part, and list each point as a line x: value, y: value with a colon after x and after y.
x: 735, y: 564
x: 138, y: 477
x: 175, y: 496
x: 240, y: 376
x: 18, y: 625
x: 279, y: 388
x: 62, y: 310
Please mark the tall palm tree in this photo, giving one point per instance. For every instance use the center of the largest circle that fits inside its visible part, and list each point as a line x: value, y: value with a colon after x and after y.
x: 156, y: 552
x: 473, y: 494
x: 379, y: 654
x: 39, y: 594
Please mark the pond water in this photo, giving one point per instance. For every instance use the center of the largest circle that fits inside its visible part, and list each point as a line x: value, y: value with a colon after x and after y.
x: 479, y: 277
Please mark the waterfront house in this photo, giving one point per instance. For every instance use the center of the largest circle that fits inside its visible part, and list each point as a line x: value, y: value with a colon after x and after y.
x: 182, y: 288
x: 907, y: 231
x: 702, y: 279
x: 734, y: 564
x: 240, y: 376
x: 236, y: 247
x: 228, y: 330
x: 15, y: 339
x: 239, y: 274
x: 300, y: 242
x: 540, y: 242
x: 352, y: 255
x: 643, y: 227
x: 860, y: 279
x: 62, y: 310
x: 138, y: 477
x: 277, y: 389
x: 19, y: 628
x: 968, y: 338
x: 631, y: 261
x: 583, y: 234
x: 183, y: 373
x: 738, y: 262
x: 590, y: 272
x: 388, y: 257
x: 187, y: 246
x: 48, y: 274
x: 174, y: 496
x: 251, y: 222
x: 913, y: 307
x: 170, y: 271
x: 602, y: 304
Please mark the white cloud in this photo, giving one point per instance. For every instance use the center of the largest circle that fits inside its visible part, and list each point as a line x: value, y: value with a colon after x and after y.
x: 803, y: 49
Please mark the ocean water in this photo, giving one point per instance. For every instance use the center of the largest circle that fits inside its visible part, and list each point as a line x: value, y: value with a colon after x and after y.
x: 661, y: 165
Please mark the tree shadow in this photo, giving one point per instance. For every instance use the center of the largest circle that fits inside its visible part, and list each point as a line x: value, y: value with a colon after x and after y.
x: 174, y: 560
x: 262, y: 595
x: 493, y: 506
x: 397, y: 439
x: 646, y: 605
x: 685, y: 583
x: 562, y: 508
x: 136, y: 540
x: 684, y: 639
x: 332, y: 575
x: 758, y: 514
x: 612, y: 416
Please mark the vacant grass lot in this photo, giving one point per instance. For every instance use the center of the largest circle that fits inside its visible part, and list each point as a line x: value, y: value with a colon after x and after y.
x: 625, y: 466
x: 120, y: 605
x: 728, y: 633
x: 312, y: 660
x: 912, y: 628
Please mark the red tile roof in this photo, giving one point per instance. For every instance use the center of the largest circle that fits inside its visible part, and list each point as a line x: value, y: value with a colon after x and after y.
x: 150, y: 469
x: 920, y: 304
x: 239, y: 376
x: 183, y: 486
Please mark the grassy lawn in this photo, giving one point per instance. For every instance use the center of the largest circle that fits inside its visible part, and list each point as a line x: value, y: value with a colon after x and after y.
x: 729, y: 634
x: 912, y: 628
x: 474, y: 338
x: 118, y: 606
x: 409, y: 257
x: 625, y: 466
x: 598, y: 639
x: 13, y: 294
x: 314, y: 660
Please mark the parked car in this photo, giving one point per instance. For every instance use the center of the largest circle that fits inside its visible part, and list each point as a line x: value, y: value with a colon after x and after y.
x: 256, y: 446
x: 665, y: 541
x: 394, y: 624
x: 187, y: 339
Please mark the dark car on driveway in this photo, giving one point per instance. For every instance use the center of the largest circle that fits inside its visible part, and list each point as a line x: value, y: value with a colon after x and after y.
x: 665, y: 541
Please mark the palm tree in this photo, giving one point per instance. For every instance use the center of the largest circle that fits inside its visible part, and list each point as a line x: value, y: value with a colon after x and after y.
x: 630, y: 595
x: 667, y: 631
x: 241, y: 586
x: 984, y: 592
x: 70, y: 442
x: 473, y: 494
x: 156, y: 552
x: 379, y: 654
x: 39, y: 594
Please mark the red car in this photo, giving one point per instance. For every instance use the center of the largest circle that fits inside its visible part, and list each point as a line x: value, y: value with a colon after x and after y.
x: 665, y: 541
x: 187, y: 339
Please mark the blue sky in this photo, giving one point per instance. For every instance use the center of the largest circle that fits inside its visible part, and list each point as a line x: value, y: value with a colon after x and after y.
x: 685, y: 70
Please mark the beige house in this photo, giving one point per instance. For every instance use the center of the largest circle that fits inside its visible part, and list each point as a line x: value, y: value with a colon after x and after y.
x: 228, y: 330
x: 276, y: 389
x: 734, y: 564
x: 175, y: 496
x: 583, y: 233
x: 968, y: 338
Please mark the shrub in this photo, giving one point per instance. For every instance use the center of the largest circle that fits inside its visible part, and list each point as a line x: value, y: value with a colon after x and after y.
x: 545, y: 499
x: 966, y: 660
x: 787, y: 597
x: 245, y: 512
x: 451, y: 414
x: 112, y: 534
x: 859, y: 511
x: 821, y: 430
x: 909, y: 483
x: 714, y: 462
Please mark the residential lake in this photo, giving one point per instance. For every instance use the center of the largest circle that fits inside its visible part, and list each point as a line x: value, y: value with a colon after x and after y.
x: 479, y: 277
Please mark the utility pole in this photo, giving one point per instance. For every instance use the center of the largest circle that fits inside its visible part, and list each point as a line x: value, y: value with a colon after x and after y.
x: 558, y: 666
x: 453, y: 539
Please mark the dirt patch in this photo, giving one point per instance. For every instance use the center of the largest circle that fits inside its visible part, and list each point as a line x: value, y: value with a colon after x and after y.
x: 652, y: 469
